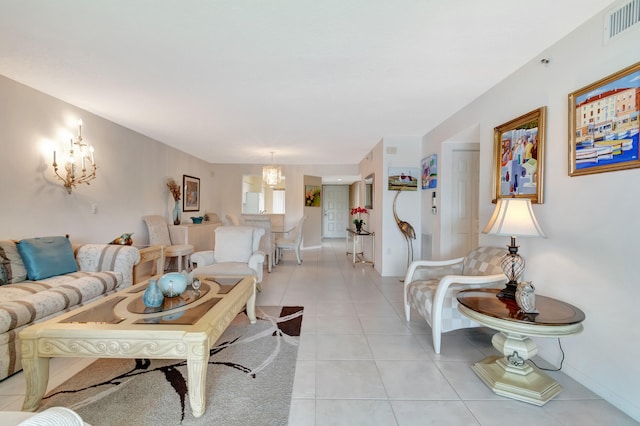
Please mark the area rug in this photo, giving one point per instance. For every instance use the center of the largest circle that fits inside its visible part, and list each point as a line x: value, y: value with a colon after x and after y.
x: 249, y: 380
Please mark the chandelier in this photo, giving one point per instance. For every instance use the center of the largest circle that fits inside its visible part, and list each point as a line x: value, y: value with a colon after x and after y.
x: 75, y: 174
x: 271, y: 174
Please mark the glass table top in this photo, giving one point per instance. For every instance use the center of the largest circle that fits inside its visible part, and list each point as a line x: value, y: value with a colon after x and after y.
x: 181, y: 310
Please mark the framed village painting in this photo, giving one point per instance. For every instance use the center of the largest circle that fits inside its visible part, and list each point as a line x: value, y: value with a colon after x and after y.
x: 403, y: 178
x: 604, y: 124
x: 518, y: 148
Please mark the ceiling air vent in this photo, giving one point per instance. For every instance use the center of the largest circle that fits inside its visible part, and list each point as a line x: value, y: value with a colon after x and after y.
x: 621, y: 18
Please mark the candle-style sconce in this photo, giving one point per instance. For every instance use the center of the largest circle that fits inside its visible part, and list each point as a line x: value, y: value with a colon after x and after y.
x: 85, y: 155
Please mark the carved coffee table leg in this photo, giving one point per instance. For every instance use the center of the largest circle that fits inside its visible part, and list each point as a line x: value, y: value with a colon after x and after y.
x: 197, y: 362
x: 251, y: 306
x: 36, y: 373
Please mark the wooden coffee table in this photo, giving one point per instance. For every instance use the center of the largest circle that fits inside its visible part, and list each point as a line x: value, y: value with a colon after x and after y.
x: 120, y: 326
x: 511, y: 375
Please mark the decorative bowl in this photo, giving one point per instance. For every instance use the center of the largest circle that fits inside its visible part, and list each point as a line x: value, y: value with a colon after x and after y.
x: 197, y: 219
x: 172, y: 284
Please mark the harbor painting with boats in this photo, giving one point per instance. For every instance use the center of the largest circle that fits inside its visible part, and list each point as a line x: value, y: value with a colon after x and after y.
x: 606, y: 124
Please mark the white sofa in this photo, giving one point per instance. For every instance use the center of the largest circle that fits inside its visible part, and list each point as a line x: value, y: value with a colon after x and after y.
x: 65, y: 279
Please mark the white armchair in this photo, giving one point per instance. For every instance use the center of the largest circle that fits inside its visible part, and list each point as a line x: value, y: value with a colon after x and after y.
x: 236, y: 253
x: 430, y: 287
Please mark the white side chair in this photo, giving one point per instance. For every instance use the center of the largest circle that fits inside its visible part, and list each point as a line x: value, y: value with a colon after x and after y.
x: 431, y: 286
x: 159, y: 235
x: 292, y: 242
x: 236, y: 253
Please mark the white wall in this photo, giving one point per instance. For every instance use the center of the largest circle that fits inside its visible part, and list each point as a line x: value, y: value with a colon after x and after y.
x: 131, y: 175
x: 130, y: 182
x: 592, y: 221
x: 391, y: 240
x: 226, y: 190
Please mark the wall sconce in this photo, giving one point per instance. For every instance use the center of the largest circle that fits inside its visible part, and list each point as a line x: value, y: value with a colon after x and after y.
x: 85, y: 153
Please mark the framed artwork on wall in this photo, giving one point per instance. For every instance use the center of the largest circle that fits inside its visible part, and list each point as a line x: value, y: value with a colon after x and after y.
x: 430, y: 171
x: 518, y: 149
x: 191, y: 199
x: 312, y: 196
x: 403, y: 178
x: 604, y: 124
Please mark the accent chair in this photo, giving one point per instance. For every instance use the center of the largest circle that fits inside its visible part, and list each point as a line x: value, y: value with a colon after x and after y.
x: 431, y: 286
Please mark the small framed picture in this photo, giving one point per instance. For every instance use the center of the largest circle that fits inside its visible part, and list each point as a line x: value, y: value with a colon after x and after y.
x: 191, y: 199
x: 313, y: 196
x: 403, y: 178
x: 604, y: 124
x: 430, y: 172
x: 518, y: 148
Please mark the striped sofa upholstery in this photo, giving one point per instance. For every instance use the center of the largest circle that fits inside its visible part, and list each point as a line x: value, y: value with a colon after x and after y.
x: 102, y: 270
x: 430, y: 287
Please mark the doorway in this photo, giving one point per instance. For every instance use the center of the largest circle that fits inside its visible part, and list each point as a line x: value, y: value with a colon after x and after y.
x: 460, y: 220
x: 335, y: 214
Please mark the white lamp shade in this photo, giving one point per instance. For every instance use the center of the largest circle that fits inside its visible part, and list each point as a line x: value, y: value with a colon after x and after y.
x: 514, y: 217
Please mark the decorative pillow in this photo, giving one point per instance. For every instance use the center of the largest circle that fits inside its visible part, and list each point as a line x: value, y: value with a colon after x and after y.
x: 47, y: 257
x: 233, y: 244
x: 13, y: 270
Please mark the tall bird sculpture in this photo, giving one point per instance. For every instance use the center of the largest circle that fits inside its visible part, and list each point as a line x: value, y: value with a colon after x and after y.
x: 406, y: 229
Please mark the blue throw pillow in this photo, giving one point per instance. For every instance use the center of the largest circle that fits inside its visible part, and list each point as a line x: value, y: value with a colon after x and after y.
x: 47, y: 256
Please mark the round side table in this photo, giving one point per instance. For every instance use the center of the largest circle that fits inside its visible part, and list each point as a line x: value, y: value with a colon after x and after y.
x: 512, y: 376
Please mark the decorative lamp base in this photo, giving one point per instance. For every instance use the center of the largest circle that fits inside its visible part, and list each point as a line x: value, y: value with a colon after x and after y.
x: 509, y: 291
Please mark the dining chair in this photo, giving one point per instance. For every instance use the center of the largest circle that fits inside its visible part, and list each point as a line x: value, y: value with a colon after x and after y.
x: 232, y: 219
x: 293, y: 241
x: 267, y: 243
x: 159, y: 235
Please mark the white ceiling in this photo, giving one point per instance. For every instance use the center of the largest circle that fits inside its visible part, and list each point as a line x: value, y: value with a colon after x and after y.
x: 316, y: 81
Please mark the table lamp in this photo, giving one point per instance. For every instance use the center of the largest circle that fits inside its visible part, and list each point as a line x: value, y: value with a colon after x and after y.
x: 513, y: 217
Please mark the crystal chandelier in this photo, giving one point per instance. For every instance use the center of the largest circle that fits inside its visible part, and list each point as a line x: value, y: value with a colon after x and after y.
x: 75, y: 174
x: 271, y: 174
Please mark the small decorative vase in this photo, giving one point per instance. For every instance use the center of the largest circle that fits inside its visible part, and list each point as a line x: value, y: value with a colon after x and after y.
x: 526, y: 298
x: 177, y: 214
x: 172, y: 284
x: 152, y: 297
x: 358, y: 226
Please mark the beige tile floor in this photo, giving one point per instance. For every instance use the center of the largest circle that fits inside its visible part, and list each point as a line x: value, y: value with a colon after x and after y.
x: 360, y: 363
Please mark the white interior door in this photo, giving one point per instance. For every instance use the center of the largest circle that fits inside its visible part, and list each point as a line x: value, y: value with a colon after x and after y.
x: 335, y: 214
x: 464, y: 201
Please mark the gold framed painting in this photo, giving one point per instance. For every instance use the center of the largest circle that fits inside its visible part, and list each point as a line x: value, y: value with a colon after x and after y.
x: 604, y: 124
x: 519, y: 157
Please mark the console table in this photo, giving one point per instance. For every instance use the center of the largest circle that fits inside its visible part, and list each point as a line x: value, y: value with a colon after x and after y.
x: 512, y: 376
x: 201, y: 236
x: 353, y: 237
